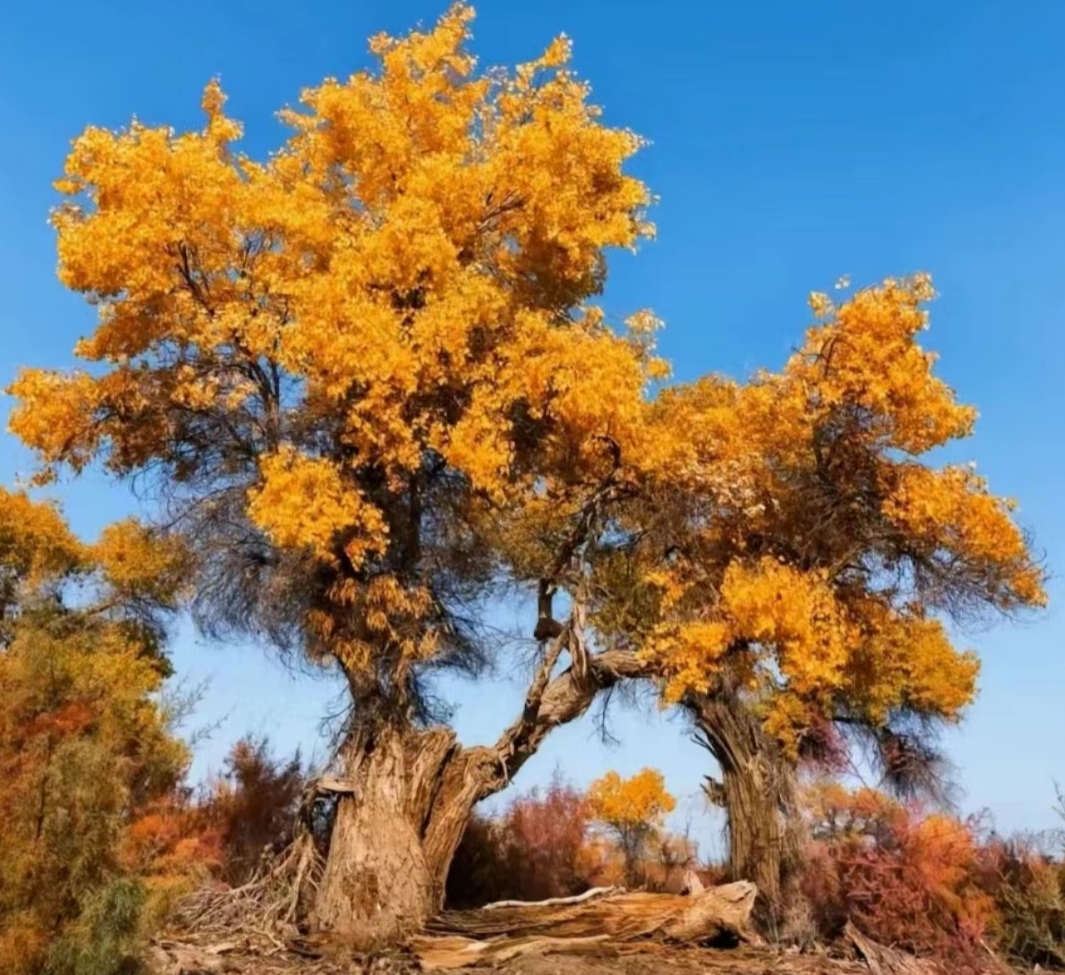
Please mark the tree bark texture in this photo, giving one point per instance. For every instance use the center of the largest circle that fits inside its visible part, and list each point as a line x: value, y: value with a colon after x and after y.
x: 399, y: 816
x: 405, y: 795
x: 757, y: 792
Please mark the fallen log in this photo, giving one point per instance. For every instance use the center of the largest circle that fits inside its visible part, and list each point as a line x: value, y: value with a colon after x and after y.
x: 506, y: 930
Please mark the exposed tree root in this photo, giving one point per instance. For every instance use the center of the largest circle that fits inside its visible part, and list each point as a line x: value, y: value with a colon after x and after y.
x: 272, y: 904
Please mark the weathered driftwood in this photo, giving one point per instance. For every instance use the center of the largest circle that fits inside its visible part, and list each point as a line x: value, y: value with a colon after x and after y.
x: 588, y: 895
x: 503, y: 931
x: 886, y: 961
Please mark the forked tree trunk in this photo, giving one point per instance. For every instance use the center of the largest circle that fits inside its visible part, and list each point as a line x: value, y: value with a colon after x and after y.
x: 757, y: 792
x: 406, y: 797
x: 402, y: 808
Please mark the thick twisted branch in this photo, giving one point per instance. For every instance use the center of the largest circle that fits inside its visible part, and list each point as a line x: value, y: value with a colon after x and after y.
x: 558, y: 701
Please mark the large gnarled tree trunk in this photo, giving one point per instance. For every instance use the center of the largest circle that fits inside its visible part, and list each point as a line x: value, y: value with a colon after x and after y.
x: 401, y: 811
x: 757, y: 792
x: 405, y: 795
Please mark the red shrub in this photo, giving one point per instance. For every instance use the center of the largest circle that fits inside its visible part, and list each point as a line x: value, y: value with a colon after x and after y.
x: 544, y: 836
x: 533, y: 851
x: 252, y: 806
x: 903, y: 877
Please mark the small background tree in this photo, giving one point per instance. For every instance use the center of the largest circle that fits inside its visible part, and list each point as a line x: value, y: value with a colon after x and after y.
x: 633, y: 810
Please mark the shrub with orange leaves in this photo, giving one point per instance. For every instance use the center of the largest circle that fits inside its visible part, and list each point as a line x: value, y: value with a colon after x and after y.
x: 166, y: 842
x: 902, y: 875
x: 222, y: 831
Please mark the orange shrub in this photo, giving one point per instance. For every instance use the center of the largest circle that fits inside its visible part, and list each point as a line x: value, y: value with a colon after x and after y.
x: 902, y: 876
x: 224, y: 831
x: 23, y: 945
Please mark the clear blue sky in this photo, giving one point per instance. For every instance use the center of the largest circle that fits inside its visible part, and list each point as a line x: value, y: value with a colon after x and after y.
x: 792, y: 143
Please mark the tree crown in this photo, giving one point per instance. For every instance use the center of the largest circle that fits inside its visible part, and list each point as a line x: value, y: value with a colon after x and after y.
x: 638, y: 802
x: 796, y: 546
x: 347, y: 366
x: 368, y: 380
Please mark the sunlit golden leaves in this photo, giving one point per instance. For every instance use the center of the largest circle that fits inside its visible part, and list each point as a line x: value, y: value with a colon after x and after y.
x: 905, y: 661
x: 373, y: 367
x: 812, y: 555
x: 57, y: 418
x: 641, y: 800
x: 404, y: 280
x: 302, y: 503
x: 766, y: 605
x: 952, y: 510
x: 136, y: 563
x: 36, y: 546
x: 128, y: 572
x: 866, y: 356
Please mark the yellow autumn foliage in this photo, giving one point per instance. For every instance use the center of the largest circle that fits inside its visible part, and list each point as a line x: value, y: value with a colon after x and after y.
x: 402, y: 288
x: 639, y: 801
x: 36, y: 546
x: 813, y: 557
x: 371, y: 375
x: 129, y: 564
